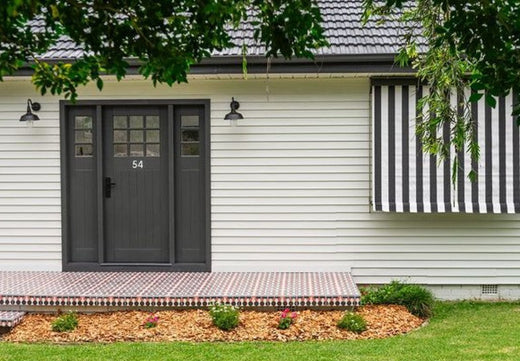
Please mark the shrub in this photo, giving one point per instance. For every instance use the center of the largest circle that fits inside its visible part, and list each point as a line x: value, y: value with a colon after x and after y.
x: 386, y: 294
x: 224, y: 316
x: 65, y: 323
x: 352, y: 322
x: 418, y: 300
x: 286, y: 319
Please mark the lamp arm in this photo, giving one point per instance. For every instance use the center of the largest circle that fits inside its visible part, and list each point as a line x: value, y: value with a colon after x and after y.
x: 34, y: 106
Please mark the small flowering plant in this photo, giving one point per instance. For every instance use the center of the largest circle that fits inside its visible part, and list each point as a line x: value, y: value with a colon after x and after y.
x: 224, y: 316
x: 286, y: 319
x: 151, y: 321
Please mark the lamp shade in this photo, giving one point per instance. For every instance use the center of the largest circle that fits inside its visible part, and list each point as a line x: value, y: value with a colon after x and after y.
x: 233, y: 114
x: 29, y: 117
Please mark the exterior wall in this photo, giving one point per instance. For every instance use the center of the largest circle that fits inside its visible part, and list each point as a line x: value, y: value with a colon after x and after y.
x: 290, y: 188
x: 474, y: 292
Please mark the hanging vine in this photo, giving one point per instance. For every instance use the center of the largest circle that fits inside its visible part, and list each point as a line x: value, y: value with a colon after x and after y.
x: 444, y: 68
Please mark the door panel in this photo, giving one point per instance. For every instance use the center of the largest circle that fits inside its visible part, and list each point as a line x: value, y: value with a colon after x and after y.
x: 136, y: 188
x: 81, y: 150
x: 190, y: 153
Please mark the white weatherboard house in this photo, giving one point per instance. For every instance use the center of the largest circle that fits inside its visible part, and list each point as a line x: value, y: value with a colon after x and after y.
x: 323, y: 173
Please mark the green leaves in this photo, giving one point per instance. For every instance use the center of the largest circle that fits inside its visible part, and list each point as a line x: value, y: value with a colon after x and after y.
x: 164, y: 37
x: 466, y: 44
x: 475, y: 97
x: 469, y: 43
x: 289, y: 28
x: 64, y: 78
x: 490, y: 100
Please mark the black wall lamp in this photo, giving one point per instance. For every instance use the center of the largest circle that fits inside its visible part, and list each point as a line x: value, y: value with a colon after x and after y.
x: 29, y: 117
x: 233, y: 115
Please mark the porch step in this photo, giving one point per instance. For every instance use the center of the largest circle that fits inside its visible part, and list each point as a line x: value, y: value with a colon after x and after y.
x: 32, y: 291
x: 9, y: 319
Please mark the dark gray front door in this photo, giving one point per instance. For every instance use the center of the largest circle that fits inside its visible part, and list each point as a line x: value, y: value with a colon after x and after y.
x: 136, y: 185
x: 135, y: 192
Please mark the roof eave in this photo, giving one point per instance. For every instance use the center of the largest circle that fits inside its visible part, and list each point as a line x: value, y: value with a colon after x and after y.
x: 341, y: 63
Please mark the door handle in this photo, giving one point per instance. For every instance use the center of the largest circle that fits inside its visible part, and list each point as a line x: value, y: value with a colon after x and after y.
x: 108, y: 187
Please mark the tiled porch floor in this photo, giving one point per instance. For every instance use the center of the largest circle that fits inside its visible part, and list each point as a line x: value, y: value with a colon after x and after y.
x: 10, y: 319
x: 176, y: 289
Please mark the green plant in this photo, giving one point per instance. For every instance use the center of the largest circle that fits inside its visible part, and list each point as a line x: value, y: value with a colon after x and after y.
x: 224, y: 316
x: 352, y: 322
x: 151, y: 321
x: 286, y: 319
x: 418, y: 300
x: 142, y: 29
x: 65, y: 323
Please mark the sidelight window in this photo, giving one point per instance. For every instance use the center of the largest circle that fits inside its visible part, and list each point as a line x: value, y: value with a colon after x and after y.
x: 190, y: 136
x: 83, y: 142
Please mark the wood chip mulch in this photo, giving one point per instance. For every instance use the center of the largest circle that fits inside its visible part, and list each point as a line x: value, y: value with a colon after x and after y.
x: 196, y: 326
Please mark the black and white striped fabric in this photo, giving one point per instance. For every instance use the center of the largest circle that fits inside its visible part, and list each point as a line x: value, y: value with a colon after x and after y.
x: 407, y: 180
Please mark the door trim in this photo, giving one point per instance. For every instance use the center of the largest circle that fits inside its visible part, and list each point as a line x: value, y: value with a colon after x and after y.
x: 64, y: 171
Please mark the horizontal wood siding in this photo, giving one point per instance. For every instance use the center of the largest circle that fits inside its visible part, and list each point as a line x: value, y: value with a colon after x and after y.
x: 290, y: 188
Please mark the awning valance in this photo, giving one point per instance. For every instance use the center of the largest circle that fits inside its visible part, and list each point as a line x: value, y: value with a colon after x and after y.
x: 407, y: 180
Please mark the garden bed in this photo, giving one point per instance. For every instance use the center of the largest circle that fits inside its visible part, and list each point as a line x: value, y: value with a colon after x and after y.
x: 196, y: 326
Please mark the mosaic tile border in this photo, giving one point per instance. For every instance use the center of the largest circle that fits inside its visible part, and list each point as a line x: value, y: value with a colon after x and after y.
x: 176, y: 289
x: 86, y: 301
x: 10, y: 319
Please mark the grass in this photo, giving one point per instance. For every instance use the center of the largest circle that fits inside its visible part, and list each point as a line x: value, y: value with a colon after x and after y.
x: 459, y: 331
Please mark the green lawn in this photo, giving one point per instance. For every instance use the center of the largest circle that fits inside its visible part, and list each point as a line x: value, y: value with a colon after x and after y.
x: 458, y: 331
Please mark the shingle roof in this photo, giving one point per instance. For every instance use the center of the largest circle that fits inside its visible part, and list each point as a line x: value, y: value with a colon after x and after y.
x: 341, y: 21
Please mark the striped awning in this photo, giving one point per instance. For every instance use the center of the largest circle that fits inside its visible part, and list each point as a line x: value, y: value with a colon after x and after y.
x: 407, y: 180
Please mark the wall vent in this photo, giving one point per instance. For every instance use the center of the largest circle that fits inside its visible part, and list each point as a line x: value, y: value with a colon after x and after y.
x: 489, y: 289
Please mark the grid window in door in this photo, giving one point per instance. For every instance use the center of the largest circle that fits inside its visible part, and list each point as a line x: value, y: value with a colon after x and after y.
x: 83, y: 136
x: 190, y: 136
x: 136, y: 136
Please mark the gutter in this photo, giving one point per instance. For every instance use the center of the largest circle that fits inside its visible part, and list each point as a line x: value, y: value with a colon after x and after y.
x: 358, y: 63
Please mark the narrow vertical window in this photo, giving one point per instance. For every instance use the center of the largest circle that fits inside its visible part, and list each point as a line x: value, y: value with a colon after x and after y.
x: 83, y: 141
x: 190, y: 136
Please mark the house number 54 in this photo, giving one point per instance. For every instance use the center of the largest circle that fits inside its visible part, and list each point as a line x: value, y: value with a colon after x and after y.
x: 137, y: 164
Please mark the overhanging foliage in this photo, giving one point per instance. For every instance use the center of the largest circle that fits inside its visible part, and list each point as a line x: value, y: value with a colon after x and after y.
x: 165, y: 36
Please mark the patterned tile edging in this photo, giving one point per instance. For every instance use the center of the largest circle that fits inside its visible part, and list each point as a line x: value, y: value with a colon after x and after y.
x: 13, y: 321
x: 178, y: 301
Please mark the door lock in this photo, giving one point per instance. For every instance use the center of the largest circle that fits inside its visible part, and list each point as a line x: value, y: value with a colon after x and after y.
x: 108, y: 187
